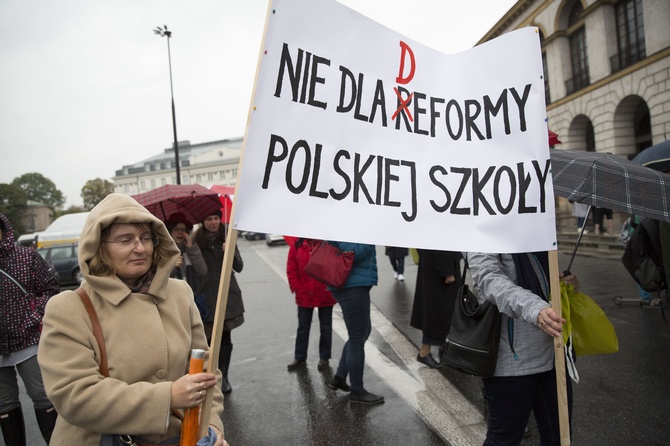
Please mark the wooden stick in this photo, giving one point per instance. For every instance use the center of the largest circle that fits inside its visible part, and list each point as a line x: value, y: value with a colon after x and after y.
x: 559, y: 352
x: 219, y: 319
x: 226, y: 268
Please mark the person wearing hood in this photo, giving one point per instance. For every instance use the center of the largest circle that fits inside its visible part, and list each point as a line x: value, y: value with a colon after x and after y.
x: 211, y: 237
x: 150, y: 324
x: 190, y: 265
x: 26, y: 284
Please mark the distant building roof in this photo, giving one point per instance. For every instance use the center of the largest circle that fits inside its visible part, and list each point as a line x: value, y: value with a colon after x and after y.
x: 187, y: 152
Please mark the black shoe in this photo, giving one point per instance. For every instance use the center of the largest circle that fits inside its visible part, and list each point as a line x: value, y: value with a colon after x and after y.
x: 429, y: 361
x: 365, y: 397
x: 225, y: 385
x: 323, y: 364
x: 296, y: 364
x: 339, y: 383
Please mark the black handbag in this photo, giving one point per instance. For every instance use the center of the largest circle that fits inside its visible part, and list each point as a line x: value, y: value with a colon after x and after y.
x: 474, y: 335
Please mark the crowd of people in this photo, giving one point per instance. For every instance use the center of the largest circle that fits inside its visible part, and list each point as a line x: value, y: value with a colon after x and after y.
x: 152, y: 281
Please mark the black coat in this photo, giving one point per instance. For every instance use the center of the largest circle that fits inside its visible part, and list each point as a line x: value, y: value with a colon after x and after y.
x: 396, y: 252
x: 433, y: 299
x: 209, y: 285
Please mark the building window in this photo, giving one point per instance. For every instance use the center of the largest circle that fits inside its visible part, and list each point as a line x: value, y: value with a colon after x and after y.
x: 234, y: 173
x: 590, y: 138
x: 143, y: 185
x: 198, y: 178
x: 579, y: 60
x: 630, y: 34
x: 153, y: 184
x: 163, y: 181
x: 210, y: 176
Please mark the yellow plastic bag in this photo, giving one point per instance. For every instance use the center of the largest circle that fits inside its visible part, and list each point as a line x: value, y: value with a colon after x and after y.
x: 415, y: 255
x: 592, y: 332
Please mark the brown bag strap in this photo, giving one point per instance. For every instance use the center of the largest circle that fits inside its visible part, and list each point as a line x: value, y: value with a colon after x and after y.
x: 97, y: 329
x: 97, y: 332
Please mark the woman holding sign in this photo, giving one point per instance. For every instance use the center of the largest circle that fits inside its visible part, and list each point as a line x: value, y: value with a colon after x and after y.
x: 354, y: 299
x: 149, y: 325
x: 525, y: 378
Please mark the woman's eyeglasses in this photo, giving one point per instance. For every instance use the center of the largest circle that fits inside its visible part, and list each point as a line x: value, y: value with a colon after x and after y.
x: 128, y: 242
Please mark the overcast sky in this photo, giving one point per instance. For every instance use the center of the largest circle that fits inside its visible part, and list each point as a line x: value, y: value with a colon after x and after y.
x: 85, y: 87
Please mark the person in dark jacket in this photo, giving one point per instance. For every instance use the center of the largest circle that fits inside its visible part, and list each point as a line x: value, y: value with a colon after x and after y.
x: 354, y: 299
x: 26, y: 284
x: 309, y: 294
x: 397, y: 256
x: 437, y: 281
x: 211, y: 238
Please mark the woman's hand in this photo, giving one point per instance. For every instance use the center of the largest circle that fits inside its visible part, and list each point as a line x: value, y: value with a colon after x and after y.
x: 549, y: 322
x: 220, y: 441
x: 570, y: 280
x: 180, y: 261
x: 191, y: 390
x: 449, y: 279
x: 188, y: 242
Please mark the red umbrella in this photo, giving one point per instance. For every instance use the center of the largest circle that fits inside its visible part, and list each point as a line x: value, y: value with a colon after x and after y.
x: 196, y: 202
x: 225, y: 195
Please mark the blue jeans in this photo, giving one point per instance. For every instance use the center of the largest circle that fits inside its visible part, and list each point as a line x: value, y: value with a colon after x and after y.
x: 511, y: 399
x: 355, y: 304
x: 325, y: 328
x: 32, y: 380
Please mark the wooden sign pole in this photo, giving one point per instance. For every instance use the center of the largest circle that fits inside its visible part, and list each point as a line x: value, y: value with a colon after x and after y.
x: 559, y: 352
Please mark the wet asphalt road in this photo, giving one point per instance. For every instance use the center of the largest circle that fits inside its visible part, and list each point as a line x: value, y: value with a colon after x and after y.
x: 622, y: 399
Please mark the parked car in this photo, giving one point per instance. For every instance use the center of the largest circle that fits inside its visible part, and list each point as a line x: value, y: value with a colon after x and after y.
x: 65, y: 262
x: 254, y: 235
x: 274, y: 239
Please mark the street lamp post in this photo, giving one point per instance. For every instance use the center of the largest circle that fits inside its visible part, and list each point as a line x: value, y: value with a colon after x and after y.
x: 163, y: 32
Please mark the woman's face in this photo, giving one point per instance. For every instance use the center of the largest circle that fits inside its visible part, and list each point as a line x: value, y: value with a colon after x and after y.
x: 212, y: 223
x: 179, y: 234
x: 130, y: 251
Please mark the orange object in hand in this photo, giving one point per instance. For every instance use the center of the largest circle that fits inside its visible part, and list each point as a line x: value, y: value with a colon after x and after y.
x: 190, y: 425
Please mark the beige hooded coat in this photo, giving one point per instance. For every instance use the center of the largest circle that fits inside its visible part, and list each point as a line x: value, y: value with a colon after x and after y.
x: 148, y: 338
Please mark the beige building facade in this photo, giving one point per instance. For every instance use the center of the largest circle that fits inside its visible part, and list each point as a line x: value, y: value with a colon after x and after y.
x: 208, y: 163
x: 606, y: 69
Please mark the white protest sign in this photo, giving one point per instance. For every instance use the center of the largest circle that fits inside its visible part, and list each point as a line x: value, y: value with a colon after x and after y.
x: 357, y: 133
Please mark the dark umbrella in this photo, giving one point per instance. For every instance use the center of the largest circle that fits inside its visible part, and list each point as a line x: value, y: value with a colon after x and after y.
x: 655, y: 157
x: 608, y: 181
x: 196, y: 202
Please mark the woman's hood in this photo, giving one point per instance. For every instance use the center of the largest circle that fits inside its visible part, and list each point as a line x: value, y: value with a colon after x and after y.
x: 120, y: 208
x: 7, y: 242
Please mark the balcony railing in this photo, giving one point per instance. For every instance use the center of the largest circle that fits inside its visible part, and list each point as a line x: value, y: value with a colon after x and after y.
x: 627, y: 57
x: 578, y: 81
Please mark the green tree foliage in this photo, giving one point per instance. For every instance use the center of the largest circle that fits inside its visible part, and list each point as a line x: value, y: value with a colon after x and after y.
x: 13, y: 202
x: 41, y: 189
x: 94, y: 191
